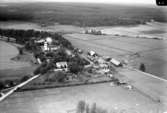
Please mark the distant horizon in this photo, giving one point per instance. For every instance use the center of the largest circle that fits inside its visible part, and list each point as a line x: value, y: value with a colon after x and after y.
x: 126, y: 2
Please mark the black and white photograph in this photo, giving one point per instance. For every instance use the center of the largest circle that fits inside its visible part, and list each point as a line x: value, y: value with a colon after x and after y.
x: 83, y: 56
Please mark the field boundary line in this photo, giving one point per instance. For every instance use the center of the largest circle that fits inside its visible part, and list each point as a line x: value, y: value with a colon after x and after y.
x: 151, y: 75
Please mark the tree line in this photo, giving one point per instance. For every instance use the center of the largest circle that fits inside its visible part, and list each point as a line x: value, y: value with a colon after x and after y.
x: 26, y: 36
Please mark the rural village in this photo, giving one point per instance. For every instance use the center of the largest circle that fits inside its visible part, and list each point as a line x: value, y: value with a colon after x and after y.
x: 57, y: 63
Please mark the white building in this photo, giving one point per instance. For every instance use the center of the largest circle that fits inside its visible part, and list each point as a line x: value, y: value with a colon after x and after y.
x: 45, y: 47
x: 115, y: 62
x: 49, y: 40
x: 61, y: 65
x: 40, y: 41
x: 91, y: 53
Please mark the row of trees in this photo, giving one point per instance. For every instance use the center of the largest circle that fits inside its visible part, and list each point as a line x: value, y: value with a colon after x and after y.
x: 83, y: 107
x: 10, y: 83
x: 27, y: 37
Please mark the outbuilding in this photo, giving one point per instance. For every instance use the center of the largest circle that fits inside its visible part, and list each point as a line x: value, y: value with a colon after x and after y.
x: 61, y: 65
x: 92, y: 53
x: 116, y: 62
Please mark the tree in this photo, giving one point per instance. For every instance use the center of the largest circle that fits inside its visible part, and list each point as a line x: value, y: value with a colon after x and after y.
x: 81, y: 106
x: 8, y: 39
x: 37, y: 71
x: 74, y: 67
x: 2, y: 86
x: 24, y: 78
x: 142, y: 67
x: 20, y: 51
x: 60, y: 76
x: 93, y: 108
x: 87, y: 108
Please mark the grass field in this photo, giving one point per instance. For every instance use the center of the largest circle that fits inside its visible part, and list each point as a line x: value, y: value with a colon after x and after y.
x: 62, y: 100
x: 10, y: 69
x: 7, y: 52
x: 150, y: 30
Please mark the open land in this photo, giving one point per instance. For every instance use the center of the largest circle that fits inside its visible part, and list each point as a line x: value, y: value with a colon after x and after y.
x: 10, y: 69
x: 148, y: 97
x: 9, y: 51
x: 149, y: 93
x: 62, y: 100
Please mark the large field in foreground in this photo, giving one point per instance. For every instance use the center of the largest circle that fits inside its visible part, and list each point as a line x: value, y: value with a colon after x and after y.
x: 62, y: 100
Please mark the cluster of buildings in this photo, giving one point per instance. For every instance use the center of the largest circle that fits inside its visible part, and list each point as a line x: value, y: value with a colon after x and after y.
x: 103, y: 65
x: 48, y: 46
x: 93, y: 31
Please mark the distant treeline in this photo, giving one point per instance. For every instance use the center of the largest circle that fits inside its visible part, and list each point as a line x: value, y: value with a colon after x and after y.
x: 14, y: 16
x: 24, y: 36
x: 82, y: 14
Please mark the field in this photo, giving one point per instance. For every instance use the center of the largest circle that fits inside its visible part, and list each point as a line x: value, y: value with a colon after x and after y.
x: 10, y: 69
x: 150, y: 30
x: 62, y: 100
x: 7, y: 52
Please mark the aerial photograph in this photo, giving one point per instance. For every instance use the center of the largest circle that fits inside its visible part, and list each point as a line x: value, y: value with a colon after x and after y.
x: 83, y: 56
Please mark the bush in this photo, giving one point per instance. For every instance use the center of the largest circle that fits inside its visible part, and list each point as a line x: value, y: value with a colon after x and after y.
x: 24, y: 78
x: 2, y: 85
x: 75, y: 68
x: 20, y: 51
x: 142, y: 67
x: 9, y: 83
x: 61, y: 76
x: 37, y: 71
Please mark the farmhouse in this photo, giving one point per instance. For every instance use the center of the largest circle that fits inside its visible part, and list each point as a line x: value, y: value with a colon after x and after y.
x: 53, y: 47
x: 92, y: 53
x: 61, y: 65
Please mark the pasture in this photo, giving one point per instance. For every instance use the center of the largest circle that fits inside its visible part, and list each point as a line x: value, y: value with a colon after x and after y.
x: 10, y: 69
x: 9, y: 51
x: 62, y: 100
